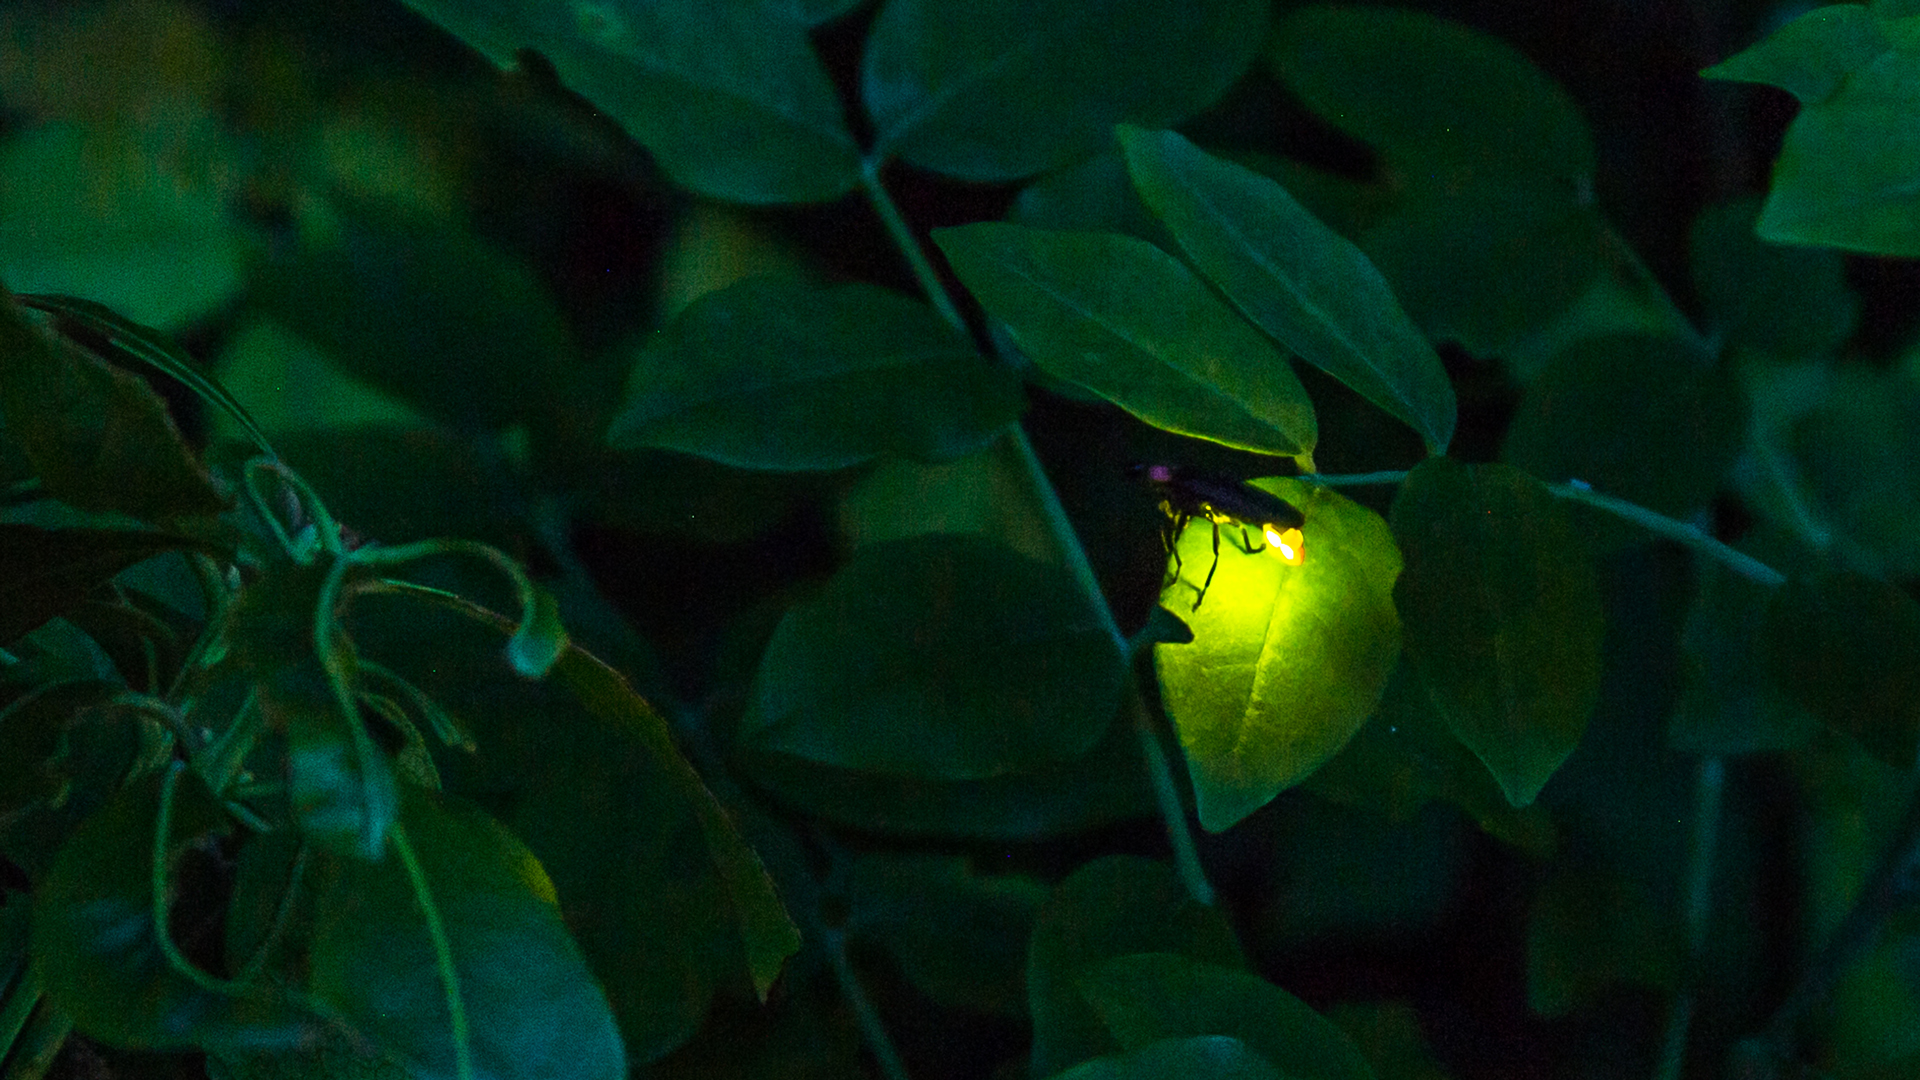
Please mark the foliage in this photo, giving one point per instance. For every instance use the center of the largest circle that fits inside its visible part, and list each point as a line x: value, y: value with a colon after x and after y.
x: 845, y: 669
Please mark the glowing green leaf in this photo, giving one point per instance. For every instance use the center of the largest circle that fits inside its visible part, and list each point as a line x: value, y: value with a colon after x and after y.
x: 1287, y: 661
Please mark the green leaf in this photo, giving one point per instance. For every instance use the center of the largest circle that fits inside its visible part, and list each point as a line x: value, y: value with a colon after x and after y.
x: 1846, y: 647
x: 1287, y: 662
x: 1113, y: 906
x: 1432, y: 94
x: 99, y: 438
x: 532, y: 1009
x: 343, y: 791
x: 768, y: 937
x: 1501, y: 614
x: 994, y: 90
x: 93, y: 212
x: 730, y: 97
x: 773, y: 374
x: 1847, y: 168
x: 1859, y: 453
x: 944, y: 657
x: 959, y: 936
x: 1812, y: 55
x: 1641, y: 418
x: 95, y: 949
x: 1147, y: 997
x: 128, y: 340
x: 1490, y: 268
x: 293, y: 387
x: 69, y: 750
x: 451, y: 324
x: 812, y: 12
x: 1214, y: 1057
x: 1129, y: 322
x: 1730, y: 702
x: 1298, y: 280
x: 1785, y: 302
x: 1061, y: 798
x: 48, y: 571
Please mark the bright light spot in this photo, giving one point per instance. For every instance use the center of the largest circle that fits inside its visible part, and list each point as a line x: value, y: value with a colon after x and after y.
x: 1289, y: 543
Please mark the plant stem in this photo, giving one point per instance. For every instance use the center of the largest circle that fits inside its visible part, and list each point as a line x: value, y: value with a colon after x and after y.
x: 1355, y: 479
x: 864, y: 1012
x: 1708, y: 786
x: 1679, y: 531
x: 1066, y: 541
x: 442, y: 953
x: 903, y: 238
x: 1186, y: 858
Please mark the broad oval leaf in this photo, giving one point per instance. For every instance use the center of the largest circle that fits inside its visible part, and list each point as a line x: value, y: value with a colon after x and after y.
x: 729, y: 97
x: 994, y: 90
x: 774, y: 374
x: 1113, y: 906
x: 1206, y: 1057
x: 1431, y: 94
x: 532, y: 1008
x: 94, y: 947
x: 1501, y: 613
x: 1848, y: 175
x: 99, y: 437
x: 1147, y: 997
x: 1810, y: 56
x: 1131, y: 323
x: 1287, y: 662
x: 946, y: 657
x: 1846, y: 647
x: 1298, y: 280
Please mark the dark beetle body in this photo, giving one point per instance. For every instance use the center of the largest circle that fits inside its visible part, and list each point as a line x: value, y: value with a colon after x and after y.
x: 1187, y: 494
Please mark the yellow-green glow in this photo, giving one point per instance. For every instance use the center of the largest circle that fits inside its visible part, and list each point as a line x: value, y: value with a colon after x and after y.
x: 1289, y: 656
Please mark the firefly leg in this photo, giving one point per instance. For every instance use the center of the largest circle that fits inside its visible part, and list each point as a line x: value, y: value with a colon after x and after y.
x: 1246, y: 544
x: 1170, y: 530
x: 1216, y: 565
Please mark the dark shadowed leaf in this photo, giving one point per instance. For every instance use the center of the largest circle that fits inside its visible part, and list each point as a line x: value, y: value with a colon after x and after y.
x: 1859, y: 453
x: 1641, y: 418
x: 1150, y: 996
x: 1812, y: 55
x: 532, y: 1008
x: 1792, y: 303
x: 1501, y: 615
x: 1846, y: 648
x: 1287, y: 662
x: 1131, y: 323
x: 47, y: 571
x: 960, y: 936
x: 1432, y: 94
x: 456, y: 327
x: 939, y: 657
x: 999, y: 89
x: 99, y: 438
x: 774, y: 374
x: 1215, y: 1057
x: 1591, y: 930
x: 94, y: 943
x: 1298, y: 280
x: 1114, y: 906
x: 1731, y: 703
x: 729, y: 97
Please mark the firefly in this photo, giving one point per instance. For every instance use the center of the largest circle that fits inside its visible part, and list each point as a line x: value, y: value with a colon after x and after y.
x: 1188, y: 494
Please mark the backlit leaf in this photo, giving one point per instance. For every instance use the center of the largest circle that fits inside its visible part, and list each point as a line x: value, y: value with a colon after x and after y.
x: 773, y: 374
x: 939, y: 657
x: 1501, y: 613
x: 1287, y: 662
x: 1298, y: 280
x: 1131, y: 323
x: 729, y: 97
x: 994, y: 90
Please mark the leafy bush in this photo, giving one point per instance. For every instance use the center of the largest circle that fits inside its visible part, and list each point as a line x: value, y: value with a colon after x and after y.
x: 624, y: 550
